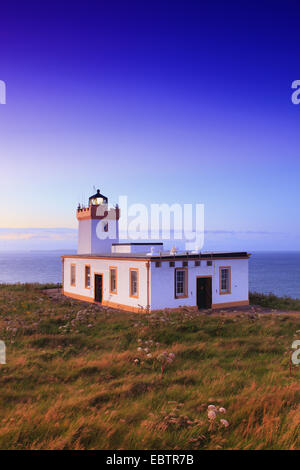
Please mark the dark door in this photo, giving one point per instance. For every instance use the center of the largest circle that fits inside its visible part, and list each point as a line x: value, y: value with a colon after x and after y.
x: 204, y: 292
x: 98, y: 288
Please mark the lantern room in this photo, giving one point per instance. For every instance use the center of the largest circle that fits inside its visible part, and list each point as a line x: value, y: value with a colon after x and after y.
x: 97, y: 199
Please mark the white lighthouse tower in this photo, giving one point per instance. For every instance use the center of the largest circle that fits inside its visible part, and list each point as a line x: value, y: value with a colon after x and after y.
x: 98, y: 226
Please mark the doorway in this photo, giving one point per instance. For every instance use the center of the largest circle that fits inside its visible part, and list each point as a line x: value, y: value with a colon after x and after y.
x: 98, y: 287
x: 204, y: 292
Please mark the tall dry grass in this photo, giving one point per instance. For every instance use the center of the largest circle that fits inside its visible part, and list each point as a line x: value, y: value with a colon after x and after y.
x: 75, y: 379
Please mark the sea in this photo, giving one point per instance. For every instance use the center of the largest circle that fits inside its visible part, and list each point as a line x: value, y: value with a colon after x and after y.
x: 276, y: 272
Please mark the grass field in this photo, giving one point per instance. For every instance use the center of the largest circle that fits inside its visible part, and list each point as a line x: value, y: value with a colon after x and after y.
x: 272, y: 301
x: 75, y: 378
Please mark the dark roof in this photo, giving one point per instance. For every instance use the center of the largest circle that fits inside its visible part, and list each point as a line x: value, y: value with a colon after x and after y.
x: 214, y: 255
x: 98, y: 194
x: 146, y: 243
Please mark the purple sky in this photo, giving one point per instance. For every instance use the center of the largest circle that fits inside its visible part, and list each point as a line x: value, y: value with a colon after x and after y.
x: 164, y: 102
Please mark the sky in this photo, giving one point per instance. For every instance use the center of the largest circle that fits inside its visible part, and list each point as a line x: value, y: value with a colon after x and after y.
x: 161, y: 101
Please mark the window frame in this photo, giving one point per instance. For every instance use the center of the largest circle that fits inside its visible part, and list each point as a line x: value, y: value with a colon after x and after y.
x: 113, y: 268
x: 228, y: 291
x: 85, y: 276
x: 73, y: 265
x: 185, y: 294
x: 137, y: 283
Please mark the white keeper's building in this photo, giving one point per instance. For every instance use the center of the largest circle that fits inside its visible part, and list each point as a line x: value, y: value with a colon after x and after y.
x: 142, y: 277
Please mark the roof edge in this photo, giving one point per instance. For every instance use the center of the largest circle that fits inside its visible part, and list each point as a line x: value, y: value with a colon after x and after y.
x: 137, y: 243
x: 155, y: 257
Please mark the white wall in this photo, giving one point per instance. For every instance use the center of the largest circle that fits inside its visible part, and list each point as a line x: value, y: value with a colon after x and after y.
x: 101, y: 266
x: 104, y: 244
x: 84, y: 237
x: 89, y: 231
x: 162, y: 283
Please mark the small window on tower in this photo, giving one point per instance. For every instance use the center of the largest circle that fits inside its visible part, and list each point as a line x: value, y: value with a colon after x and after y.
x: 157, y: 264
x: 185, y: 264
x: 105, y: 227
x: 209, y: 263
x: 172, y: 264
x: 197, y: 263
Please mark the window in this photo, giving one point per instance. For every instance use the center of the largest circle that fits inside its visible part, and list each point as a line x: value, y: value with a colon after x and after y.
x: 225, y: 279
x: 197, y: 263
x: 181, y: 283
x: 208, y: 263
x: 73, y: 274
x: 113, y: 280
x: 185, y: 263
x: 87, y: 276
x: 105, y: 227
x: 133, y: 283
x: 172, y: 264
x: 157, y: 264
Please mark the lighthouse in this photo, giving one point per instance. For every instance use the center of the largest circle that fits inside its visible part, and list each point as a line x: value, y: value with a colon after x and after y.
x: 98, y: 226
x: 143, y: 277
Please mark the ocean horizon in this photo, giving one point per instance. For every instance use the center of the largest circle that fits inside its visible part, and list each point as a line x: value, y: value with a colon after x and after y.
x: 269, y: 271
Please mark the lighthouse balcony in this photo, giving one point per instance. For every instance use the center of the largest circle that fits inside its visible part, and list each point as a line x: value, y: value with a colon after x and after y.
x: 97, y: 212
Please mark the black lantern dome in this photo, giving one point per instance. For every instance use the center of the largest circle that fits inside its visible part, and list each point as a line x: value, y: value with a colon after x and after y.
x: 97, y: 199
